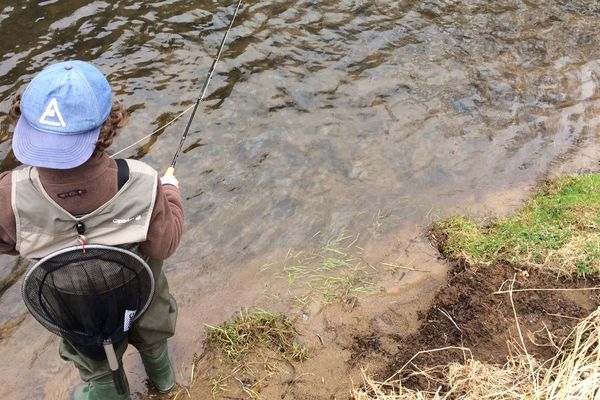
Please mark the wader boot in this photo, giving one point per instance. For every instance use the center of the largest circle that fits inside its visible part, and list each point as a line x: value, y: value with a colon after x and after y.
x: 100, y: 390
x: 159, y: 370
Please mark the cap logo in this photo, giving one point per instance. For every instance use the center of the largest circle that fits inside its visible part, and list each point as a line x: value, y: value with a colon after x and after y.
x: 52, y: 115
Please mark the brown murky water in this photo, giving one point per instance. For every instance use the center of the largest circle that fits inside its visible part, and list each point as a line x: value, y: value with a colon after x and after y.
x: 323, y: 117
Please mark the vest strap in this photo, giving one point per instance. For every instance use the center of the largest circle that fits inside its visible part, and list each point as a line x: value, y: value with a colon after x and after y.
x: 122, y: 172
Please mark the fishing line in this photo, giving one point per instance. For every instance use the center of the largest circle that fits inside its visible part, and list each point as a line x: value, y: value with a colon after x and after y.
x: 171, y: 169
x: 153, y: 133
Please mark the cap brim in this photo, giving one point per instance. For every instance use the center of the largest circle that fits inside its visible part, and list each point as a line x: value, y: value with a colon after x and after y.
x: 47, y: 150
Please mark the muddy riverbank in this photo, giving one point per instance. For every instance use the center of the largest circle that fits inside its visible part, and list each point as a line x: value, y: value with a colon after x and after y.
x: 493, y: 313
x: 465, y: 321
x: 325, y: 118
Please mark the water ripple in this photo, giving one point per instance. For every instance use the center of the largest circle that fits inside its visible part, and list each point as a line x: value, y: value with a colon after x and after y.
x: 322, y: 113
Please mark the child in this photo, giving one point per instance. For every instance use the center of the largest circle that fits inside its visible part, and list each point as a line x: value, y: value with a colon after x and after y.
x: 63, y: 123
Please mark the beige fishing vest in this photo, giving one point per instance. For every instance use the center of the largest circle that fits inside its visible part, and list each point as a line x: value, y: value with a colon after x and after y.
x: 44, y: 227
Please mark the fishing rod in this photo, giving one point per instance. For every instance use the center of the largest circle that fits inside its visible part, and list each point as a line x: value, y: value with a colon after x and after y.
x: 171, y: 169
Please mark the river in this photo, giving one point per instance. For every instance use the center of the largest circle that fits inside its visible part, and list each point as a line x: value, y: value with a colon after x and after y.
x: 323, y: 117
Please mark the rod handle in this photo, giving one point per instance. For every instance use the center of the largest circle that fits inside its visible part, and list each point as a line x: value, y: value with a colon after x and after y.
x: 170, y: 171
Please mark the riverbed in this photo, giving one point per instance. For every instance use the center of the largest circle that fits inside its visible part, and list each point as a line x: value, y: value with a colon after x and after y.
x: 363, y: 118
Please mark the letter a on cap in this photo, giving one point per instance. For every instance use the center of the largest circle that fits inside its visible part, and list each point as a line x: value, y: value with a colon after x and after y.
x: 52, y: 115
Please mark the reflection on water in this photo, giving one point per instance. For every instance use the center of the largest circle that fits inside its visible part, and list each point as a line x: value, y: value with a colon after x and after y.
x: 321, y: 115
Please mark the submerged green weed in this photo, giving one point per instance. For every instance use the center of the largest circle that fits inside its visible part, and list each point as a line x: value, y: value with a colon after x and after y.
x: 557, y: 229
x: 328, y: 273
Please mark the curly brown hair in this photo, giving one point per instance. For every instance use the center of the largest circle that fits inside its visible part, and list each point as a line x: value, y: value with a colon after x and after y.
x: 116, y: 120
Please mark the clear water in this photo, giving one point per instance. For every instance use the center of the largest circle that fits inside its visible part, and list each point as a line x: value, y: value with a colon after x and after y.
x: 322, y: 117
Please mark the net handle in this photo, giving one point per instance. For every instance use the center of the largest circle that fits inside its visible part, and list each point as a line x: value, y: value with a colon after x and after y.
x: 115, y: 368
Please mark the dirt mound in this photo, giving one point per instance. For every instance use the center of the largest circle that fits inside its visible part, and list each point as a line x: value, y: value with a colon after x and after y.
x: 467, y: 313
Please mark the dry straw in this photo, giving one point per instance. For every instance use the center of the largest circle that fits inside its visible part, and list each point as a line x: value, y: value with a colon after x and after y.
x: 574, y: 373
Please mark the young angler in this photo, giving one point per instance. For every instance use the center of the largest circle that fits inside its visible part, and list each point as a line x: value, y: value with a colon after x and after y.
x: 63, y: 123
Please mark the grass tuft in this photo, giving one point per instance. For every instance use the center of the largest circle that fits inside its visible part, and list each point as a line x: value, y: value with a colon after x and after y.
x: 256, y: 331
x: 254, y: 343
x: 557, y: 230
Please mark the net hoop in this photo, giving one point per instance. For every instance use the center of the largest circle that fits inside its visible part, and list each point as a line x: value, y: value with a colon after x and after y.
x: 37, y: 315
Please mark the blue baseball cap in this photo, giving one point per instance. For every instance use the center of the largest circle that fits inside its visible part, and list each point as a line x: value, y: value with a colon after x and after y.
x: 62, y: 111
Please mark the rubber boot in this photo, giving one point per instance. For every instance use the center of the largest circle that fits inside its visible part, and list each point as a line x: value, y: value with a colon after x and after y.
x: 100, y: 390
x: 159, y: 370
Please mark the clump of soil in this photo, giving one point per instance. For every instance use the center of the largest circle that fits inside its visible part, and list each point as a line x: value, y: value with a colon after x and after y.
x: 467, y: 313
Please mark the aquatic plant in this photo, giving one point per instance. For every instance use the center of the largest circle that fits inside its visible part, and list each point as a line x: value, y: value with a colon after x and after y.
x: 328, y: 274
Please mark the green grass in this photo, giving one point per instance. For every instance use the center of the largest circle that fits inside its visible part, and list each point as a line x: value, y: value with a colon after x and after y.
x: 254, y: 343
x: 255, y: 331
x: 557, y: 229
x: 330, y: 273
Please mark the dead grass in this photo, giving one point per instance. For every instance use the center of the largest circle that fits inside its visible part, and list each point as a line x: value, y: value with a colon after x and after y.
x: 574, y: 373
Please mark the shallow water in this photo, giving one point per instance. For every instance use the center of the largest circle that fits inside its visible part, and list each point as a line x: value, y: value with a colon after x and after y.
x: 323, y: 117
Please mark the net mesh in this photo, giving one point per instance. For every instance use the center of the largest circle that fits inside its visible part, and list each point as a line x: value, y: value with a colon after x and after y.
x: 88, y: 298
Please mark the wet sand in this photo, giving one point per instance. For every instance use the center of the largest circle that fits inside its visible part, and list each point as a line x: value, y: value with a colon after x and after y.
x: 365, y: 117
